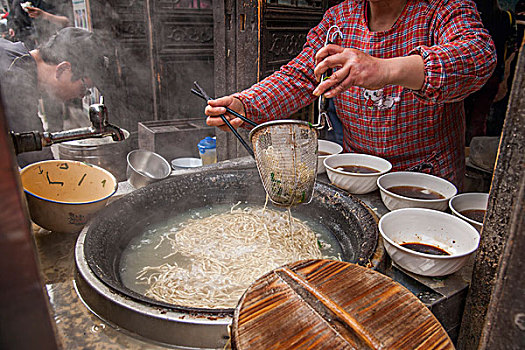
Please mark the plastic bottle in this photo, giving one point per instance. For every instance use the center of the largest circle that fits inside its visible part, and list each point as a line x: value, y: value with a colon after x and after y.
x: 208, y: 150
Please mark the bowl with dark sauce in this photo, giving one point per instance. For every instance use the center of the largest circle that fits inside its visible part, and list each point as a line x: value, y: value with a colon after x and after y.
x: 326, y: 148
x: 470, y: 207
x: 355, y: 172
x: 405, y: 189
x: 428, y: 242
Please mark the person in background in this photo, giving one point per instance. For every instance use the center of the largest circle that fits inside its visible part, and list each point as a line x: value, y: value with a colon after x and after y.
x: 482, y: 119
x: 3, y: 22
x: 401, y: 73
x: 33, y: 22
x: 63, y: 68
x: 520, y: 9
x: 512, y: 45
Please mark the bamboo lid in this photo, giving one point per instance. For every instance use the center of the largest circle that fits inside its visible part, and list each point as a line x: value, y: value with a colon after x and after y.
x: 326, y: 304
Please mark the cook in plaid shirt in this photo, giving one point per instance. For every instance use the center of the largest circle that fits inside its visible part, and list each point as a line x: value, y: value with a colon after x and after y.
x: 400, y: 75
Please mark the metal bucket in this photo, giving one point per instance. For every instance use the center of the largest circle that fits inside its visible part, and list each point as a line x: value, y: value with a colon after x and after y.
x: 104, y: 152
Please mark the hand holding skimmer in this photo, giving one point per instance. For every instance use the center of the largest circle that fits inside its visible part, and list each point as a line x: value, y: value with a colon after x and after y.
x: 323, y: 119
x: 285, y: 152
x: 286, y: 156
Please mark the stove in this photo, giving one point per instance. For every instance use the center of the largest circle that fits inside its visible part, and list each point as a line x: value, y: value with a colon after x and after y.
x: 74, y: 302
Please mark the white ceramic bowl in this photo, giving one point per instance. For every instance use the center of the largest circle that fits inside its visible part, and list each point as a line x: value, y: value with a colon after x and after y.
x: 186, y: 163
x: 469, y: 201
x: 328, y: 147
x: 432, y: 227
x: 62, y: 195
x: 395, y: 201
x: 355, y: 183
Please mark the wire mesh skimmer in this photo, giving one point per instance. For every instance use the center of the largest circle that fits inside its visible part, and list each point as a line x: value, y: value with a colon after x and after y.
x: 286, y: 156
x: 285, y: 152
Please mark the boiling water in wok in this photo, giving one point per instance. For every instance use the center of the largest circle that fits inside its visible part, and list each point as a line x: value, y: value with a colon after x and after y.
x: 152, y: 250
x: 120, y: 223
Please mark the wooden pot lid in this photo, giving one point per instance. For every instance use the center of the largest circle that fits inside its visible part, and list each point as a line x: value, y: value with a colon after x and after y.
x: 326, y: 304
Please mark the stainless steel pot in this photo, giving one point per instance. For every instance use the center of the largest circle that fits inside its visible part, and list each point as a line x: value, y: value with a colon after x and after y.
x: 104, y: 152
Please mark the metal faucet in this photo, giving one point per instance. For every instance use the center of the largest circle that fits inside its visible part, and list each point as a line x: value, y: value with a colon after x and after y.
x: 100, y: 127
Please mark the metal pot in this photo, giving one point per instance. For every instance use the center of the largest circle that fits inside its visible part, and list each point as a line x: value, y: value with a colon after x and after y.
x: 104, y: 152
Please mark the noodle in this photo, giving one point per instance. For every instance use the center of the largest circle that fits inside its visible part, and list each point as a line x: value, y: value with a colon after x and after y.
x: 215, y: 259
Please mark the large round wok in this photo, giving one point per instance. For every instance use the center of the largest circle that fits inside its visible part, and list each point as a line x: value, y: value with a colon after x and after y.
x: 111, y: 230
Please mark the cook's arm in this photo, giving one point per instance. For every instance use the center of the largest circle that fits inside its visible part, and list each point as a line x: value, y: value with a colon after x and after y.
x: 357, y: 68
x: 289, y: 89
x: 279, y: 95
x: 463, y: 58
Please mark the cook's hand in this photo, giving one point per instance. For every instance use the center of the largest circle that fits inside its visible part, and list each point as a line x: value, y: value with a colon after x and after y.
x: 218, y: 106
x: 354, y: 68
x: 34, y: 12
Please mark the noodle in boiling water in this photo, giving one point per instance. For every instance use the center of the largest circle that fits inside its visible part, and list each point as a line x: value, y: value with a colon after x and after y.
x: 224, y: 253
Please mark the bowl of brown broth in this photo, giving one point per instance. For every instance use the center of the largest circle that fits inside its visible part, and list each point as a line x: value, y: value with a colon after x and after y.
x: 326, y: 148
x: 404, y: 189
x: 470, y: 207
x: 354, y: 172
x: 428, y: 242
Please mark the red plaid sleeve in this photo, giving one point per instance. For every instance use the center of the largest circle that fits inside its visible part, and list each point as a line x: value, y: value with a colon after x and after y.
x: 289, y: 89
x: 462, y: 58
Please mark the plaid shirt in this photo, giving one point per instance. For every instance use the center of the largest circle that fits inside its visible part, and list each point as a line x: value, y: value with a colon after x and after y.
x: 409, y: 128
